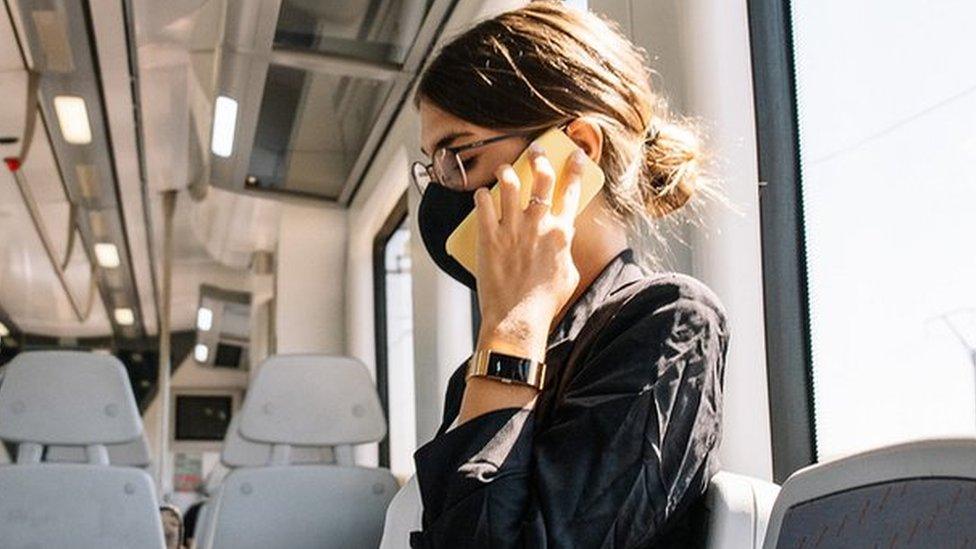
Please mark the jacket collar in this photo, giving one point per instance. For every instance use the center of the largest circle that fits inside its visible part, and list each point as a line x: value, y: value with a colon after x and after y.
x: 619, y: 273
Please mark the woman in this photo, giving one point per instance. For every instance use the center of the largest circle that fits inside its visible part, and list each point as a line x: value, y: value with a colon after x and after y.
x: 612, y: 444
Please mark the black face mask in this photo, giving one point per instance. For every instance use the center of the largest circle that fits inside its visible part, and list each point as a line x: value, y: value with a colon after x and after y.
x: 441, y: 211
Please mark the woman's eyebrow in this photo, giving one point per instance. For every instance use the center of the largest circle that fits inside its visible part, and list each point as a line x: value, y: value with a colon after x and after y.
x: 446, y: 140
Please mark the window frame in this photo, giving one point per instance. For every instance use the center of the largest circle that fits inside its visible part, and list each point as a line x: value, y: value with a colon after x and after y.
x: 393, y: 221
x: 789, y: 356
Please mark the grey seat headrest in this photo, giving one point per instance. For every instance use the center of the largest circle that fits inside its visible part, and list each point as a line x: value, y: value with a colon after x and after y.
x: 312, y: 400
x: 67, y: 398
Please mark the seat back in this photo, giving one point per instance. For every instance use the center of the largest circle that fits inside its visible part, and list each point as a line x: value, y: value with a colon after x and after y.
x: 58, y: 398
x: 83, y: 506
x: 738, y: 511
x: 303, y: 408
x: 302, y: 507
x: 908, y: 495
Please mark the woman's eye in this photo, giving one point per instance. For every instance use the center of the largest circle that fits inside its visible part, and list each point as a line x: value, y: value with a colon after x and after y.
x: 468, y: 163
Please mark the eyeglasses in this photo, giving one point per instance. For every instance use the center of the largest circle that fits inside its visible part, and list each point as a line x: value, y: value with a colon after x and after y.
x: 447, y: 168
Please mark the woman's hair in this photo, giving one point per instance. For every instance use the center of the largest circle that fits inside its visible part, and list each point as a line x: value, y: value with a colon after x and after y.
x: 546, y: 63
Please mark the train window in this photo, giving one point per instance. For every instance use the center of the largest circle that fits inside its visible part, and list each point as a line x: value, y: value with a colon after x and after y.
x: 394, y: 342
x: 885, y: 124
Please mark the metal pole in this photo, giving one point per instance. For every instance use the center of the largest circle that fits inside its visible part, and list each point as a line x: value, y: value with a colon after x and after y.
x: 165, y: 366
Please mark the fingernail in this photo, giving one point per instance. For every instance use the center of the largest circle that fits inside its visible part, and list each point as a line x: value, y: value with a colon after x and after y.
x: 579, y: 157
x: 536, y: 149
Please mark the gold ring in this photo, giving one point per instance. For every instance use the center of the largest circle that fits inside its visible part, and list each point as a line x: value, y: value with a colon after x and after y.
x: 541, y: 201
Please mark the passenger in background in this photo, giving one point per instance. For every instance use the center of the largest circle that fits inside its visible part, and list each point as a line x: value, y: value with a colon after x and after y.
x: 613, y: 445
x: 172, y: 526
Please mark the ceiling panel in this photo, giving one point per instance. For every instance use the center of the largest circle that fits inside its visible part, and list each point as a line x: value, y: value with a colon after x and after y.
x: 374, y: 30
x: 311, y: 129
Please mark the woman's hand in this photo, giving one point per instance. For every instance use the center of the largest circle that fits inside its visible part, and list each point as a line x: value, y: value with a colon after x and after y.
x: 526, y: 272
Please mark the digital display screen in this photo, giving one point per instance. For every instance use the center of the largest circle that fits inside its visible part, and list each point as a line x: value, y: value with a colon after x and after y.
x: 202, y: 417
x: 228, y: 356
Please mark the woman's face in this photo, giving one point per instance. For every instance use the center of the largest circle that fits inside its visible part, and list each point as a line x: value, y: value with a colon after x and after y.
x: 439, y: 128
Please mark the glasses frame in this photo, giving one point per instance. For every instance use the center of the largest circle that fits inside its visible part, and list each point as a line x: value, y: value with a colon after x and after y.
x: 455, y: 153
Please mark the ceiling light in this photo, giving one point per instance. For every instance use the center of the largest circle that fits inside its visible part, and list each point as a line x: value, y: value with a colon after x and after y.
x: 73, y: 119
x: 204, y: 319
x: 4, y: 331
x: 225, y: 121
x: 201, y: 352
x: 124, y: 316
x: 107, y: 255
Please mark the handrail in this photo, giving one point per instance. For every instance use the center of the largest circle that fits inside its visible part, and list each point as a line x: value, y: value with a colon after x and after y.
x: 35, y: 214
x: 13, y: 165
x: 165, y: 352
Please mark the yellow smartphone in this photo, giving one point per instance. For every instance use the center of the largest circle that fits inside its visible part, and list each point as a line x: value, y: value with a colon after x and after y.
x: 557, y: 146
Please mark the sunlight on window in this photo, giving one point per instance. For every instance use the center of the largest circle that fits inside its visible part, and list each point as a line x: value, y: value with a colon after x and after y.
x: 399, y: 348
x: 887, y: 117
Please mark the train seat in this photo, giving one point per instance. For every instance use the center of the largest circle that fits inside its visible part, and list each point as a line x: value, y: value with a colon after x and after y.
x: 84, y: 400
x: 308, y: 402
x: 738, y: 508
x: 917, y: 494
x: 241, y: 452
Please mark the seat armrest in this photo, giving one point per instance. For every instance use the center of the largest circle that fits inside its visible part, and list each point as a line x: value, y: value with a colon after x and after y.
x: 739, y: 509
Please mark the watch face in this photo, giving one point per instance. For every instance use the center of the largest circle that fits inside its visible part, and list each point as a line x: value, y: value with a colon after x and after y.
x: 509, y: 367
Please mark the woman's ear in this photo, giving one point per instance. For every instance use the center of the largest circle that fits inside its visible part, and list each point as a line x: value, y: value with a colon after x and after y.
x: 588, y: 136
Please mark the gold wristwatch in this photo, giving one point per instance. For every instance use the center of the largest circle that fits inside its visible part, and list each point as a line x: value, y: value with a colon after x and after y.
x: 507, y: 368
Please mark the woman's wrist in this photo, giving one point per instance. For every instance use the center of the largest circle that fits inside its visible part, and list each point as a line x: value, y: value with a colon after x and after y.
x: 516, y: 336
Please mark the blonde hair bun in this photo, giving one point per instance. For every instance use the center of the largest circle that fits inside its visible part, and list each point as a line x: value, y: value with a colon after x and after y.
x: 672, y: 168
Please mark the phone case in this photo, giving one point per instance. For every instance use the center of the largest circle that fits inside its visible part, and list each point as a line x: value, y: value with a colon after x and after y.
x: 558, y: 146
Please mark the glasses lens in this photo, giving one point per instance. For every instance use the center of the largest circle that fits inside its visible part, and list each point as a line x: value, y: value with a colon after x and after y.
x: 421, y: 177
x: 448, y: 170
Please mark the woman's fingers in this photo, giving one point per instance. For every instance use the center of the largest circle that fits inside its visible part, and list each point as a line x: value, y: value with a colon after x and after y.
x: 543, y: 178
x: 485, y: 208
x: 567, y: 205
x: 508, y: 184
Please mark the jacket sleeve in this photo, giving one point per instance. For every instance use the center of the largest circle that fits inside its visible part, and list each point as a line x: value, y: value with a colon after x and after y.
x: 627, y: 446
